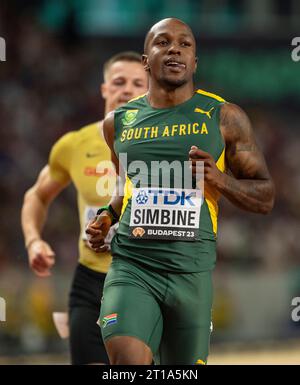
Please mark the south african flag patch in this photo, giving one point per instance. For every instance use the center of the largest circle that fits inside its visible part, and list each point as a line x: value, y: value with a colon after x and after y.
x: 109, y: 320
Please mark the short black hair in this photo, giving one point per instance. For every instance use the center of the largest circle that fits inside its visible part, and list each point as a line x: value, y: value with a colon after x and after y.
x: 147, y: 38
x: 129, y: 56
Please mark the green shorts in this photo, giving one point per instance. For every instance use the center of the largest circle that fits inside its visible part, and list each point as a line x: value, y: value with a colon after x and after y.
x: 170, y: 312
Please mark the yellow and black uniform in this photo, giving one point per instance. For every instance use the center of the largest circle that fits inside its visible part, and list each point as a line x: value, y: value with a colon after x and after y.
x: 165, y: 246
x: 79, y: 157
x: 83, y: 158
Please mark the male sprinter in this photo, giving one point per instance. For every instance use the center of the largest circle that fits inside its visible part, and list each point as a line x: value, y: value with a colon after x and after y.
x: 74, y: 158
x: 158, y: 292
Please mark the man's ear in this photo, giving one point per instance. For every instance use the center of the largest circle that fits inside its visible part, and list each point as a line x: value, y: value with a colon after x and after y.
x: 145, y: 62
x: 103, y: 90
x: 196, y: 64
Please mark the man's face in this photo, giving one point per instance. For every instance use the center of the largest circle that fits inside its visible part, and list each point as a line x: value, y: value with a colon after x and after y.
x: 170, y: 55
x: 125, y: 80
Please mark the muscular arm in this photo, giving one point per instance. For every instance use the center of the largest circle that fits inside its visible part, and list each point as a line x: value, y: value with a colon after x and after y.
x: 109, y: 134
x: 33, y: 216
x: 36, y: 202
x: 250, y: 187
x: 98, y: 229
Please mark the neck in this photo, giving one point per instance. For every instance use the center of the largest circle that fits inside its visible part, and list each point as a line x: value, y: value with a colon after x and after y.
x: 100, y: 129
x: 107, y: 109
x: 162, y: 97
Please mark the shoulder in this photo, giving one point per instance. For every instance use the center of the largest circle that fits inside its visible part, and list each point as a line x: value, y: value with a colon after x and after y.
x: 234, y: 122
x: 60, y: 157
x: 88, y: 130
x: 209, y: 96
x: 208, y: 103
x: 109, y: 128
x: 65, y: 142
x: 92, y: 133
x: 137, y: 99
x: 72, y: 138
x: 108, y: 120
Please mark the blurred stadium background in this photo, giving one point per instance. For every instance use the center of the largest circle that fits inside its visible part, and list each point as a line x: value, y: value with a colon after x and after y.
x: 49, y: 85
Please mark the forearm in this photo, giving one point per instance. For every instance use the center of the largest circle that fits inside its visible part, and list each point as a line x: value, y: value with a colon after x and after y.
x: 33, y: 216
x: 248, y: 194
x: 117, y: 198
x: 109, y: 134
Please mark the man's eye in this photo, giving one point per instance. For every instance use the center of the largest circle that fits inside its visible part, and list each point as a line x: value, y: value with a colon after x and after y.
x: 162, y: 42
x: 186, y: 44
x: 118, y: 82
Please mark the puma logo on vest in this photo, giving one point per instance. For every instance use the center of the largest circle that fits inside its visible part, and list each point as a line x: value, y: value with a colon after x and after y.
x: 204, y: 112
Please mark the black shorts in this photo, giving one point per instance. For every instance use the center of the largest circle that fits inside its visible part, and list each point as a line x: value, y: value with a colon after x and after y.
x: 86, y: 343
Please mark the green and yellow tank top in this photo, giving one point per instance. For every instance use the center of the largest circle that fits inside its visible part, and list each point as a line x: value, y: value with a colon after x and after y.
x: 163, y: 225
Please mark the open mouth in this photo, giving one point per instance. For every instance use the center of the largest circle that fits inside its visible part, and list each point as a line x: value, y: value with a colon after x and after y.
x: 173, y: 63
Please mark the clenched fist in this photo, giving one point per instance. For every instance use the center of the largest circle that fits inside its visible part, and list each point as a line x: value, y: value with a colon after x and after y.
x: 41, y: 258
x: 212, y: 175
x: 97, y: 231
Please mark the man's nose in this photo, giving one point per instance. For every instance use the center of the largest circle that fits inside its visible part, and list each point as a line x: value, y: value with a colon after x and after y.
x: 128, y: 89
x: 174, y: 49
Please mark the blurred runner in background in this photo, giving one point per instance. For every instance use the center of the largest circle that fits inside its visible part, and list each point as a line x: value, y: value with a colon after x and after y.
x: 74, y: 158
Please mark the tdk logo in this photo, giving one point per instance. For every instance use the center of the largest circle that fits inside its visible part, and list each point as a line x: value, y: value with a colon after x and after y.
x: 170, y: 197
x: 2, y: 49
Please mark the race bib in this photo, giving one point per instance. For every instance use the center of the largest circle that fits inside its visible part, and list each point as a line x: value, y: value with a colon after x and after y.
x: 166, y: 214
